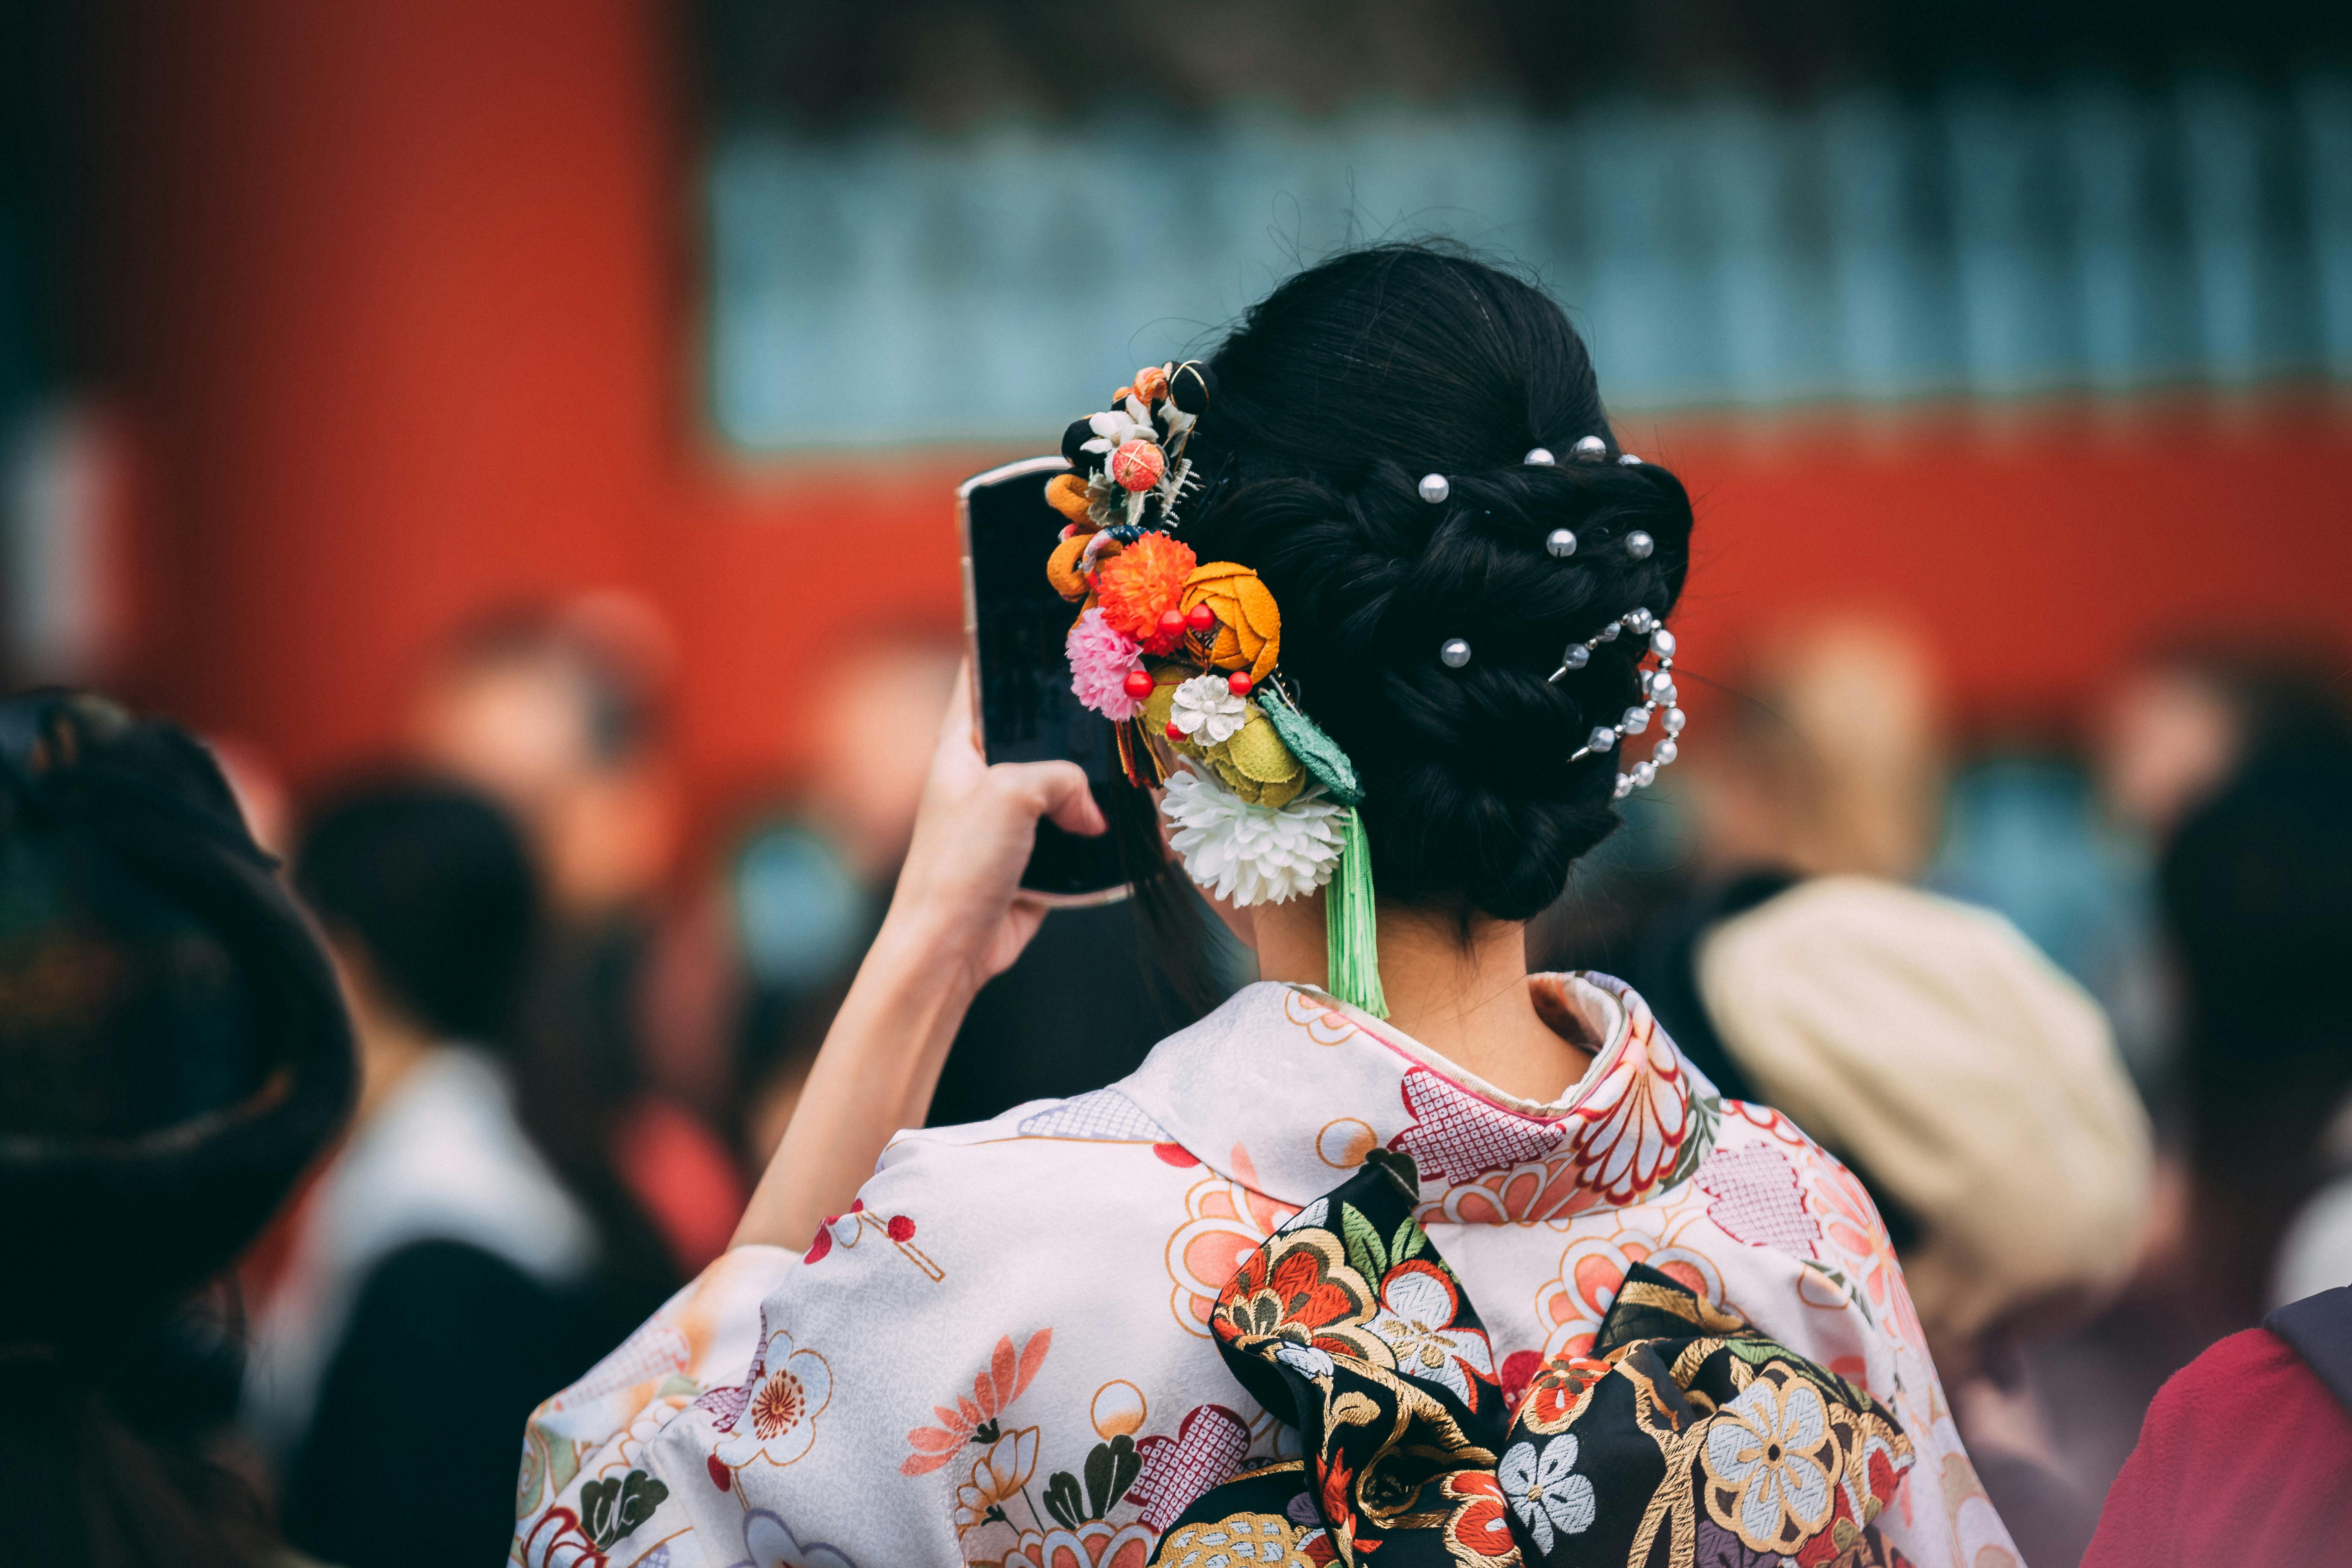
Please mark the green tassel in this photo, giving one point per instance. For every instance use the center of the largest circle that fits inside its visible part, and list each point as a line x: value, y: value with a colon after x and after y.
x: 1351, y: 926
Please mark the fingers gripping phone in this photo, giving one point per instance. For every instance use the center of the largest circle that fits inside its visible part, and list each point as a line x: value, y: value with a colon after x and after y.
x: 1022, y: 707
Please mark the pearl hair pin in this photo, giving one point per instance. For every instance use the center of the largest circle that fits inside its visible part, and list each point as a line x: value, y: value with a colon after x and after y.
x: 1456, y: 653
x: 1590, y: 449
x: 1538, y: 458
x: 1561, y: 541
x: 1660, y: 696
x: 1434, y: 488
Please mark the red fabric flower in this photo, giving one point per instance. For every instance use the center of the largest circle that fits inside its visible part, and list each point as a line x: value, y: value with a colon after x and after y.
x: 1140, y: 585
x: 1138, y: 464
x: 1300, y: 1288
x: 1478, y: 1530
x: 1519, y: 1369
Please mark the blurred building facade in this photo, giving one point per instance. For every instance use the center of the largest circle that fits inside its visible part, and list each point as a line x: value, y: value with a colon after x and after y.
x: 327, y: 329
x: 1993, y: 240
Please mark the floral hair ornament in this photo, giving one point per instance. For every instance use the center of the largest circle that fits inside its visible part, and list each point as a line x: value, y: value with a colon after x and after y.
x: 1128, y: 464
x: 1182, y: 658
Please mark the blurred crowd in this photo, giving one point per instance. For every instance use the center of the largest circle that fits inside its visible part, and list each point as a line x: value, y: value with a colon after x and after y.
x: 582, y: 1025
x: 2104, y: 1131
x: 2068, y: 1012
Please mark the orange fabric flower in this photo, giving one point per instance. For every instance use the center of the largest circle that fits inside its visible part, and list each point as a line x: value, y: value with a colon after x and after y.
x: 1249, y: 624
x: 1140, y: 585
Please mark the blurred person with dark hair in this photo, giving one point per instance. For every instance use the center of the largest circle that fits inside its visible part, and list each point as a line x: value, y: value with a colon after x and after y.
x: 2182, y: 721
x: 173, y: 1054
x: 2257, y: 890
x: 2246, y: 1455
x: 558, y: 714
x: 465, y: 1229
x: 1833, y: 759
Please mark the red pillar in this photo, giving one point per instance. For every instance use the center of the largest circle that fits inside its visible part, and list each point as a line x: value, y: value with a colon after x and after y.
x: 387, y: 294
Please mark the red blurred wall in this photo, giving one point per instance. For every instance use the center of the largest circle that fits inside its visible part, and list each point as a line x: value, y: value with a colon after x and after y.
x: 399, y: 303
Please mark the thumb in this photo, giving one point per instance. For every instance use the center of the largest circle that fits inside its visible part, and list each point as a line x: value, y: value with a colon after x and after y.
x: 1057, y: 791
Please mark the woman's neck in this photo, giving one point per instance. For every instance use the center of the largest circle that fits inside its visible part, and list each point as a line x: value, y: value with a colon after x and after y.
x: 1467, y: 1002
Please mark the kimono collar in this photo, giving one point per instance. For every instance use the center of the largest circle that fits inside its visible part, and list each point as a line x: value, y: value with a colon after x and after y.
x: 1285, y: 1090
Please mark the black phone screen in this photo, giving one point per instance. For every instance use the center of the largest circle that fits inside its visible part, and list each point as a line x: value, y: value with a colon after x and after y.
x: 1017, y: 625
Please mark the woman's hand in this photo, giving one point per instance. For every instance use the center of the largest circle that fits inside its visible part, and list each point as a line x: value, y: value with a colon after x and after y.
x: 957, y: 920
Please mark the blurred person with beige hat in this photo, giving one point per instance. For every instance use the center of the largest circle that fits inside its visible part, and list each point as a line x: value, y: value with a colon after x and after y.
x: 1972, y: 1085
x: 1976, y: 1093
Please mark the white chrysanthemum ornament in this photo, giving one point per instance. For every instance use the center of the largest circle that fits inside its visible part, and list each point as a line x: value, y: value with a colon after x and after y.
x: 1251, y: 854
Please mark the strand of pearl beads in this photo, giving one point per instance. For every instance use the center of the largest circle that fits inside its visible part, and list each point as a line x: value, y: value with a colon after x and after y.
x: 1659, y: 698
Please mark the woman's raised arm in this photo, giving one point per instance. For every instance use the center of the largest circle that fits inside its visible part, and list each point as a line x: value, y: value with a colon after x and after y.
x: 956, y: 920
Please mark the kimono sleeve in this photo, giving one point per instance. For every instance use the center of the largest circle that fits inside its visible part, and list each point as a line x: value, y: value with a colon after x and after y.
x: 583, y: 1487
x: 817, y: 1427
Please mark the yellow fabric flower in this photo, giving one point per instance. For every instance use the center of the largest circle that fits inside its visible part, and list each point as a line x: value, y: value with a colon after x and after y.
x: 1253, y: 762
x: 1249, y: 624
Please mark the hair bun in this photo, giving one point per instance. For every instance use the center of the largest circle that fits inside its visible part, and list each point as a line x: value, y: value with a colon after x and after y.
x: 1470, y: 797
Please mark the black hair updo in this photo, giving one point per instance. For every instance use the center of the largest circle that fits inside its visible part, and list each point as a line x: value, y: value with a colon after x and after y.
x: 1334, y: 396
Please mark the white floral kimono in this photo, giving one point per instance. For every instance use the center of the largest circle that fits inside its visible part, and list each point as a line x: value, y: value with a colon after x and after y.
x: 1003, y: 1353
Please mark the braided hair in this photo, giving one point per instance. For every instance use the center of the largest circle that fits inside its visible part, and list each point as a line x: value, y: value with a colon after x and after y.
x: 1335, y: 394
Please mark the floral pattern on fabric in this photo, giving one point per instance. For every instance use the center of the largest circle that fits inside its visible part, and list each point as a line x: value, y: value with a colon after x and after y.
x: 1854, y: 1232
x: 1603, y: 1247
x: 1226, y: 1220
x: 1636, y: 1119
x: 1642, y: 1121
x: 771, y: 1415
x: 1684, y: 1431
x: 975, y: 1420
x: 1120, y: 1219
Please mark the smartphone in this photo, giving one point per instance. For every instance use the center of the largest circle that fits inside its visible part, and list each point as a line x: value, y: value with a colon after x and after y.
x: 1022, y: 707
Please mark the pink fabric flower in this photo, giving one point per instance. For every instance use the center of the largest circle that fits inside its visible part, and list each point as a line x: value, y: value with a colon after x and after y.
x: 1100, y: 662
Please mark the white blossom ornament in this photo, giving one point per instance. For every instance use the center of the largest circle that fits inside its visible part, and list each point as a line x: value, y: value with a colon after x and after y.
x: 1208, y: 709
x: 1251, y: 854
x: 1115, y: 428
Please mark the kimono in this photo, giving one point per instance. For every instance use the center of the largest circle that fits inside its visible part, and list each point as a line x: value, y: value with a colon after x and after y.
x: 1060, y: 1336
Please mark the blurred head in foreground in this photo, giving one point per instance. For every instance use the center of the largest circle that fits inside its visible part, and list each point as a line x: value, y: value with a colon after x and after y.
x: 556, y: 712
x: 173, y: 1054
x: 876, y: 719
x: 2183, y: 720
x: 431, y: 910
x: 1833, y: 760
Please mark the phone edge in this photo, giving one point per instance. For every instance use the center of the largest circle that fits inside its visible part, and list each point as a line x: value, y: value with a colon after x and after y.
x: 1014, y: 469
